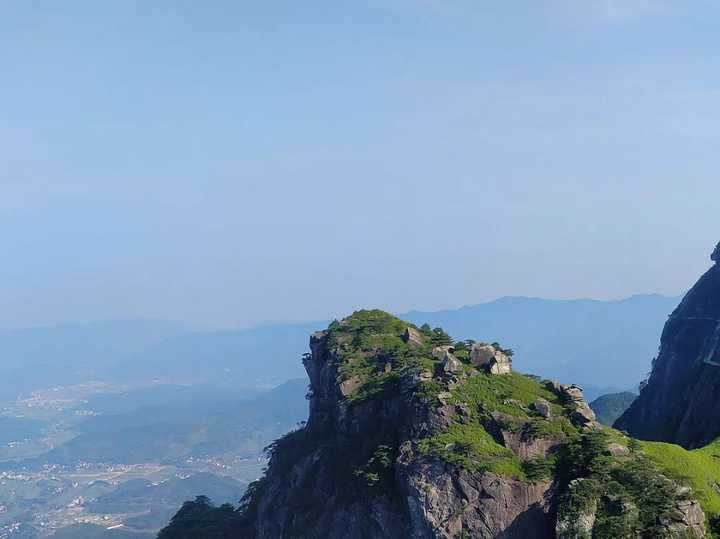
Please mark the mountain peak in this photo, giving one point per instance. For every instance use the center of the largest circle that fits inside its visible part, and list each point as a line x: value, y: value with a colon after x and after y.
x: 413, y: 435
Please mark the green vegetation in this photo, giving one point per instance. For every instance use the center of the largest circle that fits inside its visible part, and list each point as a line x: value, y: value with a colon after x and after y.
x: 511, y: 394
x: 371, y: 353
x: 631, y: 491
x: 632, y: 495
x: 435, y: 336
x: 539, y: 468
x: 200, y: 518
x: 699, y: 469
x: 631, y: 487
x: 609, y: 407
x: 377, y: 471
x: 508, y: 401
x: 472, y: 448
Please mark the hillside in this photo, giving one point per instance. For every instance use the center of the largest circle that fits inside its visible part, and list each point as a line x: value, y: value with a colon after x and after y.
x: 128, y: 458
x: 175, y: 431
x: 609, y: 407
x: 412, y: 435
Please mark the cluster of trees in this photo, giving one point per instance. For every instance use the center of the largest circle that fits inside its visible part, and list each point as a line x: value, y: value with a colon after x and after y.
x: 201, y: 518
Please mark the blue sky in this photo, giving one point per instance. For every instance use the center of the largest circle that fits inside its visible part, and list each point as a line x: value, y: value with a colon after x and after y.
x: 226, y: 163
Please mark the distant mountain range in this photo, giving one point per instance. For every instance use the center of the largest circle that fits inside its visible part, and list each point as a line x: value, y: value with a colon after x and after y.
x: 43, y: 357
x: 200, y: 401
x: 598, y: 344
x: 601, y: 344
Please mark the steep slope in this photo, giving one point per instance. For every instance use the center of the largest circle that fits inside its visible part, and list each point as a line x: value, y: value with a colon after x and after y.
x: 680, y: 402
x: 410, y: 435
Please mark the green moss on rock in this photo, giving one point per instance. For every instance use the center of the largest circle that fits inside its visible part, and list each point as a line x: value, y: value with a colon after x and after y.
x: 698, y: 468
x: 472, y: 448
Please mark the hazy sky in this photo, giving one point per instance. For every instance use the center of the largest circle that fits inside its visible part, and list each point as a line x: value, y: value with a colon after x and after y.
x: 225, y: 163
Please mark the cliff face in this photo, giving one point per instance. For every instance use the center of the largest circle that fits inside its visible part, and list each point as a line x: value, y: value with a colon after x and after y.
x: 358, y: 472
x: 412, y: 435
x: 680, y: 402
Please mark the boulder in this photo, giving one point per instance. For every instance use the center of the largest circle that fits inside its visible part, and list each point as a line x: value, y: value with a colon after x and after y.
x: 573, y: 392
x: 618, y: 450
x: 688, y: 520
x: 543, y: 408
x: 500, y: 367
x: 486, y: 356
x: 412, y: 337
x: 450, y: 364
x: 439, y: 351
x: 482, y: 354
x: 572, y: 396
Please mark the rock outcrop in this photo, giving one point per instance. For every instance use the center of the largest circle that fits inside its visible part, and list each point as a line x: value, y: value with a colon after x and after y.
x: 422, y: 497
x: 412, y: 337
x: 411, y: 437
x: 543, y: 408
x: 572, y: 396
x: 583, y: 506
x: 679, y: 403
x: 490, y: 358
x: 578, y: 523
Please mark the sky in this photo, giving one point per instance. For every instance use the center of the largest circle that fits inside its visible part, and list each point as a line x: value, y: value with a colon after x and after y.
x: 231, y: 163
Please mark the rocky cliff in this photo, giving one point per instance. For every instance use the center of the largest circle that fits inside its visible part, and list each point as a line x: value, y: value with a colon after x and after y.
x: 412, y: 435
x: 680, y: 402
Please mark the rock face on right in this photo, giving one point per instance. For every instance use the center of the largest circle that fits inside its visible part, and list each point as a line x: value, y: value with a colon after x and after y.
x: 681, y: 401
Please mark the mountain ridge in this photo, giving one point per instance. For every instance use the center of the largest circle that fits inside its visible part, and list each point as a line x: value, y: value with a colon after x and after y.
x: 411, y: 434
x: 623, y: 334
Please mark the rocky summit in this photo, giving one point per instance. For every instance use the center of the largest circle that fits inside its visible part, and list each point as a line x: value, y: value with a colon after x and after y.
x: 413, y: 435
x: 679, y: 402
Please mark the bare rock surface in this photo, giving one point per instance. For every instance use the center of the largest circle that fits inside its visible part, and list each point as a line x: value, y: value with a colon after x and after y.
x: 679, y: 402
x: 413, y: 337
x: 432, y: 499
x: 434, y: 456
x: 542, y: 407
x: 572, y: 395
x: 489, y: 358
x: 445, y: 505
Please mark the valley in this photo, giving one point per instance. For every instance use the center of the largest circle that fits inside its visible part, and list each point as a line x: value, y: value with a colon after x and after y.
x: 96, y: 460
x: 116, y: 424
